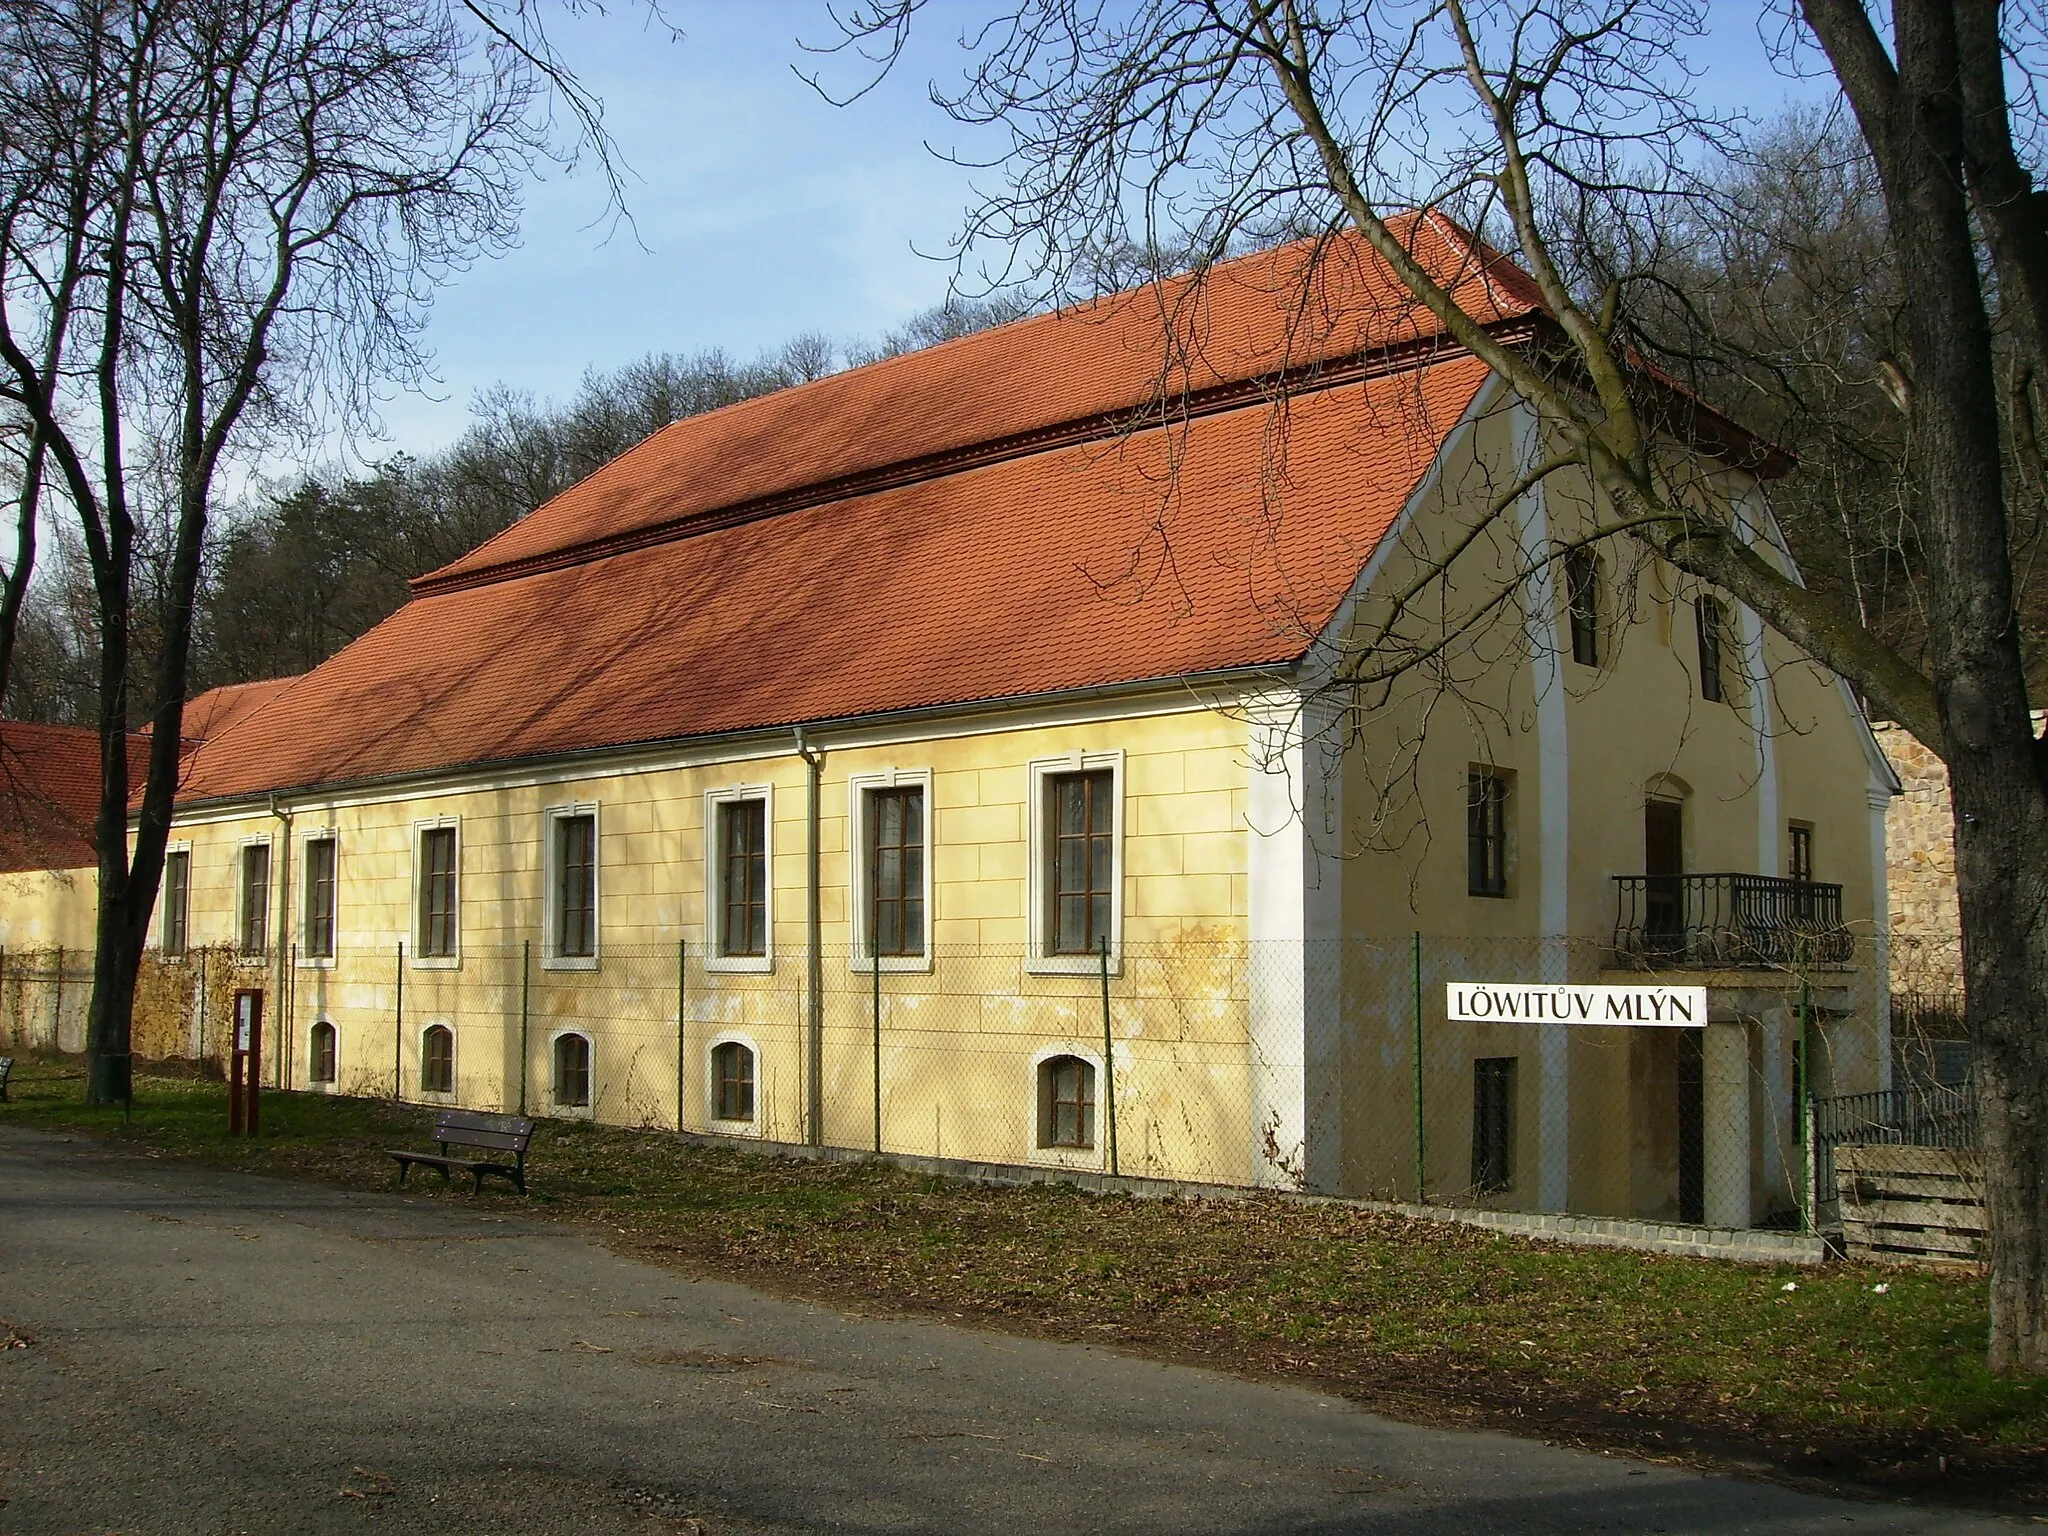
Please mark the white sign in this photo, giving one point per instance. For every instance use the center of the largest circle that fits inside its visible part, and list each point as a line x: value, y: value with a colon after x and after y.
x: 1516, y: 1002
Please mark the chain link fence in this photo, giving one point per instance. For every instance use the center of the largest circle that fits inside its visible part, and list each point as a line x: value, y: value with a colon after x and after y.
x: 1335, y: 1067
x: 45, y: 995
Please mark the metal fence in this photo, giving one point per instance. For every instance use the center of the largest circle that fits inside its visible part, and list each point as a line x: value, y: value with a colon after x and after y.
x: 45, y: 995
x: 1333, y: 1066
x: 1915, y: 1115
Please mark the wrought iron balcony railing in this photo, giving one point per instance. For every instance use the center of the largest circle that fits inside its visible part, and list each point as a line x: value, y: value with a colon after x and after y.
x: 1728, y: 920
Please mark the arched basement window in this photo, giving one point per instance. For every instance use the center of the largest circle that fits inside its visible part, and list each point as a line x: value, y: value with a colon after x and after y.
x: 437, y: 1059
x: 732, y: 1081
x: 572, y: 1070
x: 320, y: 1069
x: 1066, y: 1103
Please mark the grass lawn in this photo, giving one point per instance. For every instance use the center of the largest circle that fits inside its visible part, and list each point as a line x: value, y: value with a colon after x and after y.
x: 1851, y: 1373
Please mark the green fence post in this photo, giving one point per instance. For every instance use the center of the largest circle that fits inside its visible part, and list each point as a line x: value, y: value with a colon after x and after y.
x: 525, y: 988
x: 1802, y: 1098
x: 682, y: 1032
x: 876, y: 971
x: 288, y: 1026
x: 1420, y: 1147
x: 1108, y: 1053
x: 398, y: 1034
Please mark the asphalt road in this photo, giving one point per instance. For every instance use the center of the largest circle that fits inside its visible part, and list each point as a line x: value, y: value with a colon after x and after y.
x: 213, y: 1352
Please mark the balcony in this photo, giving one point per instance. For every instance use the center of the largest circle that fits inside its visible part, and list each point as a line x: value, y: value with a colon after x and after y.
x: 1728, y: 922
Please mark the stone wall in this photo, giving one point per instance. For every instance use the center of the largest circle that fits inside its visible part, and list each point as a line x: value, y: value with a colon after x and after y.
x: 1921, y: 874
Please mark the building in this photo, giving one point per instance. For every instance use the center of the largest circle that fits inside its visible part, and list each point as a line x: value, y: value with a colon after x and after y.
x: 957, y: 754
x: 49, y: 800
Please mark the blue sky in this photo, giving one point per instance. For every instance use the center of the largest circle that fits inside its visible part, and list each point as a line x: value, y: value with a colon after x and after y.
x: 761, y: 210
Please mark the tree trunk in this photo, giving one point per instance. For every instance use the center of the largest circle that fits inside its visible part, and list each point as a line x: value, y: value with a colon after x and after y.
x: 2007, y: 987
x: 115, y: 965
x: 117, y: 951
x: 1973, y: 653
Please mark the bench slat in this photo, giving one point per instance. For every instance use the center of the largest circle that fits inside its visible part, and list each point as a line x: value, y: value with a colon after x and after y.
x: 477, y: 1120
x: 493, y: 1141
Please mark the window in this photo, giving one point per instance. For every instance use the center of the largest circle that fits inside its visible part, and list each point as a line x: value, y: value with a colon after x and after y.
x: 319, y: 924
x: 895, y: 871
x: 572, y: 1071
x: 1802, y: 852
x: 255, y: 898
x: 1708, y: 612
x: 1582, y: 602
x: 437, y: 1059
x: 320, y: 1066
x: 438, y: 931
x: 732, y: 1082
x: 1082, y: 859
x: 572, y: 891
x: 1486, y: 832
x: 1066, y: 1103
x: 1074, y: 873
x: 743, y: 878
x: 176, y: 899
x: 1493, y: 1124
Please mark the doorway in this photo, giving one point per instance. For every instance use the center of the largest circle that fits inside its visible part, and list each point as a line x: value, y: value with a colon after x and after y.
x: 1663, y: 883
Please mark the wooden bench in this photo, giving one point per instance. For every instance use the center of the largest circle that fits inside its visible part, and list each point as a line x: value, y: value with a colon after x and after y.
x: 6, y: 1070
x: 486, y: 1133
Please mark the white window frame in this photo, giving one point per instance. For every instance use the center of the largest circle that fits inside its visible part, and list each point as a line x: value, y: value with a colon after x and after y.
x: 550, y: 959
x: 560, y: 1110
x: 860, y: 788
x: 311, y: 1085
x: 1095, y: 1158
x: 420, y: 829
x: 714, y: 884
x: 1040, y: 960
x: 326, y: 834
x: 419, y: 1072
x: 241, y: 888
x: 163, y: 913
x: 730, y: 1127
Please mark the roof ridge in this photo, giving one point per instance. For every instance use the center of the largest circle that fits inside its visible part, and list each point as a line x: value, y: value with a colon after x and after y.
x: 851, y: 388
x: 1324, y: 373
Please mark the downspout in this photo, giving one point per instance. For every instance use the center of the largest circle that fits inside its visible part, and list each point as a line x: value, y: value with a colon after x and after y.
x: 280, y: 1018
x: 814, y: 960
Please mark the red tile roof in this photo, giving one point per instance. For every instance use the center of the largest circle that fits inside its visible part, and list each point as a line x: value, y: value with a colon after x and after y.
x: 212, y: 712
x: 1015, y: 388
x: 50, y: 793
x: 974, y: 522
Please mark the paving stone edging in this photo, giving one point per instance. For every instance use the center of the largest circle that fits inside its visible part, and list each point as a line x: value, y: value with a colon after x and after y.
x: 1746, y: 1246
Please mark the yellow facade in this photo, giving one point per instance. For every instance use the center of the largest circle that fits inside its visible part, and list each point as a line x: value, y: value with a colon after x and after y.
x: 1583, y: 747
x: 960, y: 1028
x: 43, y: 908
x: 1290, y: 862
x: 46, y: 948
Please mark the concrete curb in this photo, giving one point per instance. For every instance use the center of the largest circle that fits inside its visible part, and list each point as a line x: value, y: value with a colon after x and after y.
x: 1740, y: 1245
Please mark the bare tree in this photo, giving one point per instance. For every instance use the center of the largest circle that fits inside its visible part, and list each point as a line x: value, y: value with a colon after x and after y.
x: 216, y: 222
x: 1550, y: 124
